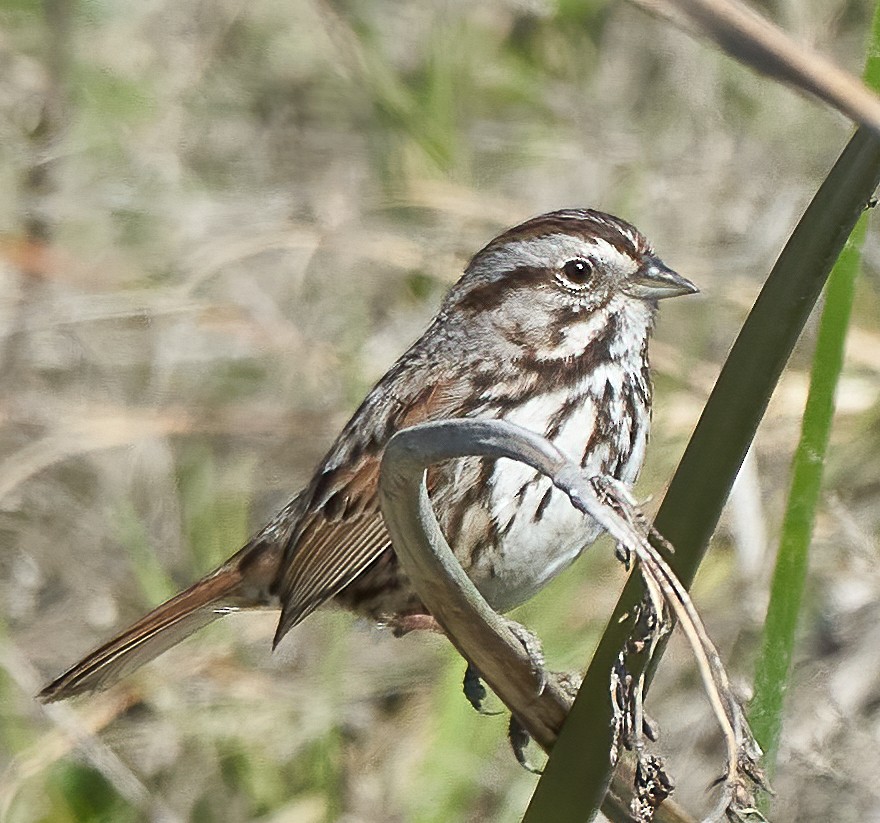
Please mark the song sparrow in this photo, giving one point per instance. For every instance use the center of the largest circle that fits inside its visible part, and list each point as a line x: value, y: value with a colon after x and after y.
x: 548, y: 328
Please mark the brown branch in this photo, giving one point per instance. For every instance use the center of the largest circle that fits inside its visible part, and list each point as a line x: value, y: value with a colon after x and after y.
x: 482, y: 636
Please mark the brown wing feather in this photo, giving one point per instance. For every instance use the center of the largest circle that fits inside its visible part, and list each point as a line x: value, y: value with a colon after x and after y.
x: 326, y: 554
x: 342, y: 531
x: 347, y: 550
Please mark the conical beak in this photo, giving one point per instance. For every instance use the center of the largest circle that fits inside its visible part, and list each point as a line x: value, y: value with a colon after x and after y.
x: 655, y: 281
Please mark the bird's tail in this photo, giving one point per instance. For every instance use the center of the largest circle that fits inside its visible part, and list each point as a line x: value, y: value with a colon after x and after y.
x: 242, y: 582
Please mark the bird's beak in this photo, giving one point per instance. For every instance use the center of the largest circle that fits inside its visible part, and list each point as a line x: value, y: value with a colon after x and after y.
x: 654, y: 281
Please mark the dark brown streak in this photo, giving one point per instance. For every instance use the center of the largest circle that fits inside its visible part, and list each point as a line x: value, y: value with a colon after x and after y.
x: 469, y: 497
x: 473, y: 495
x: 520, y: 497
x: 566, y: 371
x: 490, y: 294
x: 335, y: 505
x: 558, y: 420
x: 545, y: 501
x: 603, y: 424
x: 322, y: 487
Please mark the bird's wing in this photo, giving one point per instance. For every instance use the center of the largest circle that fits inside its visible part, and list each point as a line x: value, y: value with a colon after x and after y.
x: 342, y: 531
x: 335, y: 542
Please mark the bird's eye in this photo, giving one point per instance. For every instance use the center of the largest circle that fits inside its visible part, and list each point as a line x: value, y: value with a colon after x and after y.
x: 578, y: 272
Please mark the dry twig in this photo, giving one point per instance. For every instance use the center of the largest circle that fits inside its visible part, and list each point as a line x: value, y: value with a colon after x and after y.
x: 485, y: 639
x: 761, y: 45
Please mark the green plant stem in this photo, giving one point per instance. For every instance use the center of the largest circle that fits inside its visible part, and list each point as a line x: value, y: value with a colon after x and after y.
x: 789, y: 576
x: 773, y: 669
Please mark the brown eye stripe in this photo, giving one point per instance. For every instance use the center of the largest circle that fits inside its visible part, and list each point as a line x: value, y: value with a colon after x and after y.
x: 487, y: 296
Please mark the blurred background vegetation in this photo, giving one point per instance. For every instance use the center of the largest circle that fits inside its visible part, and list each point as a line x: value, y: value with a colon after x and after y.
x: 219, y: 223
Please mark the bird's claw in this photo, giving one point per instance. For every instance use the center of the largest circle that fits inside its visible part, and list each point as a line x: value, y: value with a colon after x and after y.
x: 532, y: 645
x: 475, y: 691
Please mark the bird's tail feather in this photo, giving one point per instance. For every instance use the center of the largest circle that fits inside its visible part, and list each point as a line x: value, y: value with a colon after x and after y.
x: 243, y: 582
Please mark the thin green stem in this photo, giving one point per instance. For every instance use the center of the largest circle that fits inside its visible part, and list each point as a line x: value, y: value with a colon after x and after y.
x: 773, y: 670
x: 772, y: 676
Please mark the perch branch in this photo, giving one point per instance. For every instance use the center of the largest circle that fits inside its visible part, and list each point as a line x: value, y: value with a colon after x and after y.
x: 481, y: 635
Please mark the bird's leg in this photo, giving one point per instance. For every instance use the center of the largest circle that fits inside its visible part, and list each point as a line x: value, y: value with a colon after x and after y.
x: 473, y: 687
x: 516, y: 733
x: 475, y: 691
x: 403, y: 624
x: 532, y: 645
x: 519, y: 741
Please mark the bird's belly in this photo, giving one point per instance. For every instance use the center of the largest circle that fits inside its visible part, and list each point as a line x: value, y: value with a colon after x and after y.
x: 540, y: 535
x: 530, y: 532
